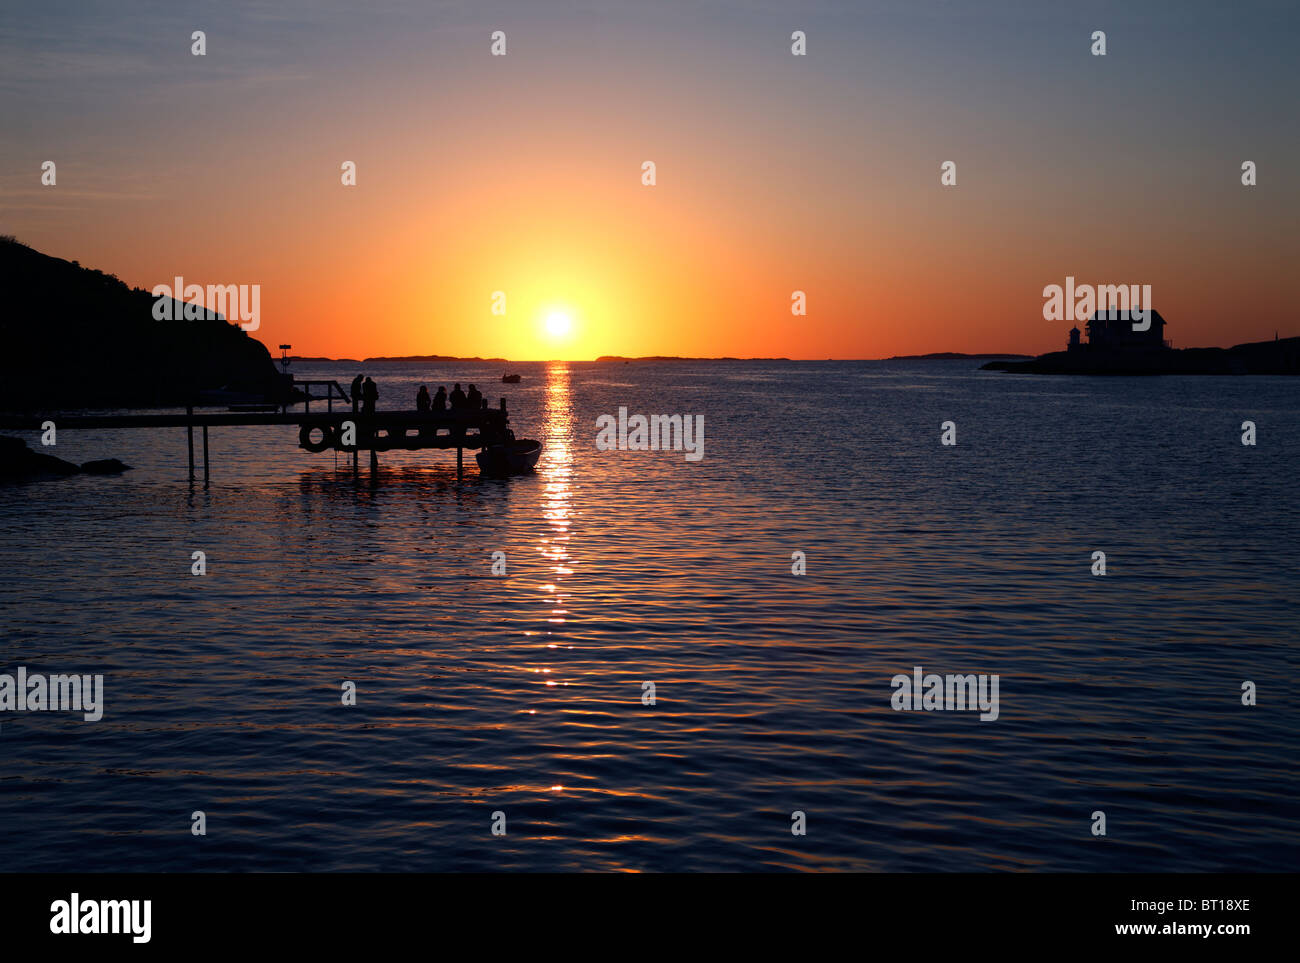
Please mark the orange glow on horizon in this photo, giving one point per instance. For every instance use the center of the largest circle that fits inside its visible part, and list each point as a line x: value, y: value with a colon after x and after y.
x: 701, y: 264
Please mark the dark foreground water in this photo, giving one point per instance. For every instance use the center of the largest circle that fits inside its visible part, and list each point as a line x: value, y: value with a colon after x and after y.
x: 523, y: 694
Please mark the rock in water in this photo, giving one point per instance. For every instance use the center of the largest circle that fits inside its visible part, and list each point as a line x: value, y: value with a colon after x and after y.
x: 105, y: 466
x: 20, y: 463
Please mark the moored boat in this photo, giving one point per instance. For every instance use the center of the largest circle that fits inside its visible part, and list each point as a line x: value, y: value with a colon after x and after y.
x: 518, y: 456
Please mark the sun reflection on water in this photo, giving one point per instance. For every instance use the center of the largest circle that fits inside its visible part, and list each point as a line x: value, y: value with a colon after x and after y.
x: 557, y: 469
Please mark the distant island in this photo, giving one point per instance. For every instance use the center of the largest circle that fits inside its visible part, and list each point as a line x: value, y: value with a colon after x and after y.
x: 438, y: 358
x: 667, y: 357
x: 1115, y: 348
x: 75, y: 337
x: 405, y: 359
x: 953, y: 356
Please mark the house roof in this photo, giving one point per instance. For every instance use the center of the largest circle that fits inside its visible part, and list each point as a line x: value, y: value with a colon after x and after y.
x: 1101, y: 318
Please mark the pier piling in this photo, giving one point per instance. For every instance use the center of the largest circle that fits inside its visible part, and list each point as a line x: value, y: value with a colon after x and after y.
x: 189, y: 435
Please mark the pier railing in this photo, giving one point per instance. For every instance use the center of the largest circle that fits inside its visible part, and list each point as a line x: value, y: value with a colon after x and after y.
x: 329, y: 386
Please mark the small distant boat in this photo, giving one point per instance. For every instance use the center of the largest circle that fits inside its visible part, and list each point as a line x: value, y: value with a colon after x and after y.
x: 511, y: 379
x: 518, y: 456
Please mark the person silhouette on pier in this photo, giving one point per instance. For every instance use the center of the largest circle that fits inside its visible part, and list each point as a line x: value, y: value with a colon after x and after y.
x: 356, y: 392
x: 473, y: 400
x: 422, y: 402
x: 440, y: 399
x: 369, y: 394
x: 457, y: 398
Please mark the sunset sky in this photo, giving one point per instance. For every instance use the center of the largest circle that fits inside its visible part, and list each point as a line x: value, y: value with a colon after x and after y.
x: 776, y: 173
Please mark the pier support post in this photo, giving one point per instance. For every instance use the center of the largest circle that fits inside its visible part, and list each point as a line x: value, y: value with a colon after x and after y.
x: 205, y: 455
x: 460, y: 467
x: 189, y: 433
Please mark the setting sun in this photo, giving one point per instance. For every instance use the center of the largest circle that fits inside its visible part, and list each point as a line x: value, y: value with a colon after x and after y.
x: 558, y: 324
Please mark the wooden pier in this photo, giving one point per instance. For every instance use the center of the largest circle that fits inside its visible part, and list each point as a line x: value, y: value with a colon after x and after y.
x: 342, y: 430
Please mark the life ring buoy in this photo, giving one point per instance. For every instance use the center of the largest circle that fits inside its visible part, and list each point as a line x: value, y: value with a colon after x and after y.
x: 305, y: 438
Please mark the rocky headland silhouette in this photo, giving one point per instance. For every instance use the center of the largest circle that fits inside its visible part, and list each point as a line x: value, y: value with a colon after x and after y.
x: 73, y: 337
